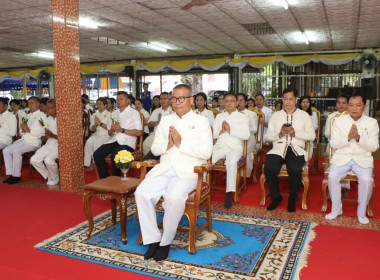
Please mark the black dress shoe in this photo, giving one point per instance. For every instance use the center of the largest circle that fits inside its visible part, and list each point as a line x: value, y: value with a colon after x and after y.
x: 274, y: 203
x: 291, y: 205
x: 151, y: 250
x: 14, y: 180
x: 161, y: 253
x: 7, y: 180
x: 227, y: 201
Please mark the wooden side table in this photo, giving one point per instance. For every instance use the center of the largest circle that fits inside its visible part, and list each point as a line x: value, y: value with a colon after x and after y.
x: 115, y: 189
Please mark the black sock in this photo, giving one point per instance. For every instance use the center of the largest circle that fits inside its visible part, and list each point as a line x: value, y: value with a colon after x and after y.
x: 161, y: 253
x: 291, y: 204
x: 151, y: 250
x: 227, y: 200
x: 274, y: 203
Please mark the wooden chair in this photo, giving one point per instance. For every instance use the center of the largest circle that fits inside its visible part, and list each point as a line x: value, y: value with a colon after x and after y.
x: 258, y: 151
x: 350, y: 177
x: 241, y: 169
x: 197, y: 197
x: 284, y: 173
x: 315, y: 164
x: 137, y: 153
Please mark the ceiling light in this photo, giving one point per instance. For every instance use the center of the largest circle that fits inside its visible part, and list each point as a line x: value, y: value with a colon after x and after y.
x: 88, y: 23
x: 44, y: 54
x: 156, y: 47
x: 285, y: 4
x: 305, y: 38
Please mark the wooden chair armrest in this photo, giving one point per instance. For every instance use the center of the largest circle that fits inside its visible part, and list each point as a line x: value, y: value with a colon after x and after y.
x: 203, y: 168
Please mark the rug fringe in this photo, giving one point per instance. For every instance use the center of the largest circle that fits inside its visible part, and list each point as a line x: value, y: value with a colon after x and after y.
x: 68, y: 230
x: 302, y: 261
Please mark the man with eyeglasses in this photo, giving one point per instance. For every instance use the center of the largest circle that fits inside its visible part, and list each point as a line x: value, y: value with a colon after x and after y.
x: 288, y: 130
x: 155, y: 119
x: 183, y: 140
x: 230, y: 128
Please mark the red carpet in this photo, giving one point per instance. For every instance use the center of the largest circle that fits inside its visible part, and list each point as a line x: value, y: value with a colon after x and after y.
x: 33, y: 215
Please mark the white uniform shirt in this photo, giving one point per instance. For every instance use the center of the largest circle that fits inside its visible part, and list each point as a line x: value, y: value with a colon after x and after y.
x: 206, y: 113
x: 304, y: 131
x: 195, y: 148
x: 20, y: 114
x: 239, y: 130
x: 368, y: 130
x: 8, y: 127
x: 33, y: 138
x: 89, y: 108
x: 52, y: 126
x: 105, y: 118
x: 146, y: 118
x: 155, y: 113
x: 314, y: 120
x: 129, y: 119
x: 268, y: 114
x: 327, y: 124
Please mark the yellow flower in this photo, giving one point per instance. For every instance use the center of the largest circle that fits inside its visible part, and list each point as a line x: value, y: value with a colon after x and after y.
x: 123, y: 159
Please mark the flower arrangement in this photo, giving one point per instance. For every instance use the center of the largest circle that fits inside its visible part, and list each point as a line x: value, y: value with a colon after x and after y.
x: 41, y: 121
x: 123, y: 159
x: 24, y: 120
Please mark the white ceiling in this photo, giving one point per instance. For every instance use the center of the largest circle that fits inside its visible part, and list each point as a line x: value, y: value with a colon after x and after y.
x: 190, y: 28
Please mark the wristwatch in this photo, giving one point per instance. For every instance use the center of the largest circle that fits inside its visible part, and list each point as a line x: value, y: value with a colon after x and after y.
x: 357, y: 140
x: 122, y: 130
x: 100, y: 124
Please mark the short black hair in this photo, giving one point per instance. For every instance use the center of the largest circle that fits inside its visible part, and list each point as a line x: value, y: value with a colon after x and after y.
x: 15, y: 101
x: 342, y: 95
x: 123, y: 92
x: 259, y: 94
x: 201, y: 94
x: 35, y: 98
x: 183, y: 86
x: 289, y: 89
x: 4, y: 100
x: 103, y: 100
x: 85, y: 96
x: 230, y: 93
x: 358, y: 94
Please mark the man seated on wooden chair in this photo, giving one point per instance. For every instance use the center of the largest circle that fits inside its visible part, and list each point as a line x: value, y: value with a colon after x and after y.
x: 44, y: 160
x: 8, y: 124
x: 252, y: 119
x: 183, y: 140
x: 354, y: 138
x: 230, y: 128
x: 29, y: 142
x: 288, y: 129
x: 126, y: 128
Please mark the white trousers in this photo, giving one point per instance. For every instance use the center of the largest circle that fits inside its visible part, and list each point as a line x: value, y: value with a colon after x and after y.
x: 250, y: 154
x: 13, y: 157
x: 175, y: 191
x: 92, y: 144
x: 337, y: 173
x: 2, y: 146
x: 148, y: 142
x: 232, y: 157
x: 44, y: 161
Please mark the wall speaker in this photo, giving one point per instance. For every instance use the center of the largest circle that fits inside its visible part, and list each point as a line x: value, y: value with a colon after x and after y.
x: 368, y: 88
x: 129, y: 71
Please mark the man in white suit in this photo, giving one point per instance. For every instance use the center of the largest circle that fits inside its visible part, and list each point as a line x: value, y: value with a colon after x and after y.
x: 230, y: 128
x: 183, y: 140
x: 355, y: 137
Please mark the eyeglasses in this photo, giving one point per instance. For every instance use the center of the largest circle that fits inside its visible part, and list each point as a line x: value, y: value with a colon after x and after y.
x: 180, y: 99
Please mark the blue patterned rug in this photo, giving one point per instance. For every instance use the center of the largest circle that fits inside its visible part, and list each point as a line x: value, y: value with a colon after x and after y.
x: 239, y: 247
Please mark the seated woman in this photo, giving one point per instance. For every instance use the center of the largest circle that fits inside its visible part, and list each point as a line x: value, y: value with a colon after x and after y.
x: 139, y: 107
x: 251, y: 103
x: 111, y: 104
x: 155, y: 103
x: 100, y: 123
x: 305, y: 105
x: 201, y: 107
x: 278, y: 105
x: 19, y: 113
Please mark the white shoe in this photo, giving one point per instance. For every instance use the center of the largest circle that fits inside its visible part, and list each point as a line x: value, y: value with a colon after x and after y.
x: 363, y: 220
x: 332, y: 215
x: 53, y: 182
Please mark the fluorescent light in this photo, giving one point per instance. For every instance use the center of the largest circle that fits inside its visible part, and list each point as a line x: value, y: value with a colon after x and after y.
x: 285, y: 4
x: 88, y: 23
x: 156, y: 47
x: 305, y: 38
x: 44, y: 54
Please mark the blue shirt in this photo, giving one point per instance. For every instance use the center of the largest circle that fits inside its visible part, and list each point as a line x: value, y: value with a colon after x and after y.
x: 147, y: 101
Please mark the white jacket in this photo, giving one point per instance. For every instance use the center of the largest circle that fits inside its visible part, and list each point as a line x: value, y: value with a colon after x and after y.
x: 195, y: 148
